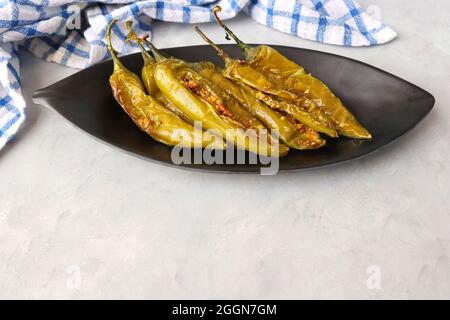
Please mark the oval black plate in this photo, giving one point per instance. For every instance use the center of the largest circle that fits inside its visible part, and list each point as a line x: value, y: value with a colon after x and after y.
x: 387, y: 105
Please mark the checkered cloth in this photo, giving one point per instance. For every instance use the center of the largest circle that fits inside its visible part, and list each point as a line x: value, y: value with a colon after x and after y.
x: 51, y: 30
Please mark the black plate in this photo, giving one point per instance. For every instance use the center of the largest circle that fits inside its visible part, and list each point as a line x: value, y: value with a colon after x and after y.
x: 387, y: 105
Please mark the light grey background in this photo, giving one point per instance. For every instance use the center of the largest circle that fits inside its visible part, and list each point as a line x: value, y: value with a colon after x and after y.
x: 79, y: 219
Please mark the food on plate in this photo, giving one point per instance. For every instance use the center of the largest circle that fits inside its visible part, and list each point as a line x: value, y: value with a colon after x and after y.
x: 265, y: 104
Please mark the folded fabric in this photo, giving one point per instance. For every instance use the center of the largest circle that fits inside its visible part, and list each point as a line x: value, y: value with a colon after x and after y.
x: 72, y: 33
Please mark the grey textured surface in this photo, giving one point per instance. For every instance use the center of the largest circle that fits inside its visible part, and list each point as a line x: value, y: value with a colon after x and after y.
x: 79, y: 219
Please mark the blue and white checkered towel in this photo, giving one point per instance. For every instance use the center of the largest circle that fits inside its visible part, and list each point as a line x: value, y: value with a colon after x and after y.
x: 51, y: 30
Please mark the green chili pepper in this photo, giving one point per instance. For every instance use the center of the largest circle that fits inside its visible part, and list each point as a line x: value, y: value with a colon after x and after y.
x: 271, y: 63
x: 152, y: 118
x: 209, y: 92
x: 293, y: 136
x: 244, y: 117
x: 345, y: 122
x: 197, y: 110
x: 147, y: 74
x: 299, y: 107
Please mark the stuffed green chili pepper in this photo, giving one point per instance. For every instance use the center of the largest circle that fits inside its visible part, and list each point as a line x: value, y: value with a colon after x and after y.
x: 274, y: 65
x: 299, y: 107
x: 249, y: 111
x: 147, y: 74
x: 152, y: 118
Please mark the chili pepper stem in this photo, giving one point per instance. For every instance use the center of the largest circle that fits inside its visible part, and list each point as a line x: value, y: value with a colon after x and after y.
x: 117, y: 63
x: 132, y: 37
x: 244, y: 47
x: 219, y: 51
